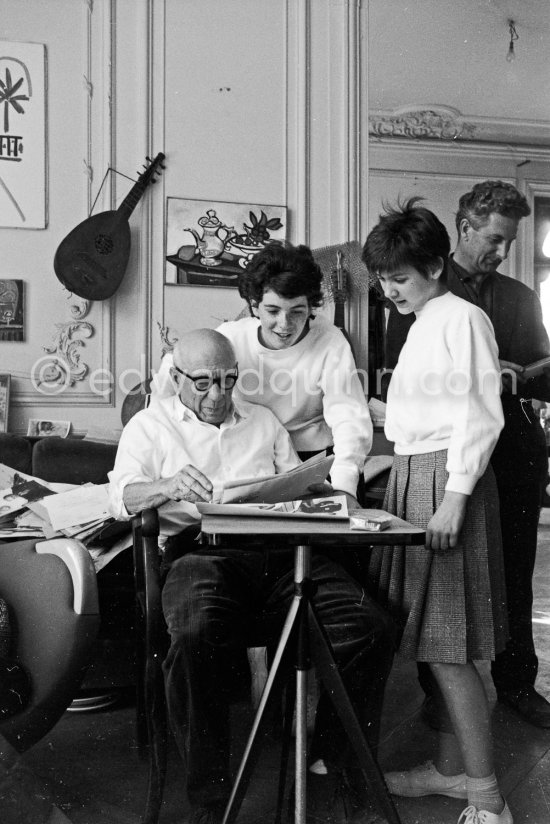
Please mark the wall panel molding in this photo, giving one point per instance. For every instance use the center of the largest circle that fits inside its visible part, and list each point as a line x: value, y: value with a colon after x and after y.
x: 298, y: 118
x: 98, y: 86
x: 531, y: 189
x: 152, y: 252
x: 326, y: 144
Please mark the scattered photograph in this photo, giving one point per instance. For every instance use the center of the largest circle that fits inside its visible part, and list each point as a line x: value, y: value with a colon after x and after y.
x: 4, y: 401
x: 209, y: 242
x: 41, y: 429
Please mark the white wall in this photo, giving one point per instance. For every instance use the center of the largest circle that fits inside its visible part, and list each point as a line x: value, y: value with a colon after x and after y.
x: 251, y: 100
x: 240, y: 96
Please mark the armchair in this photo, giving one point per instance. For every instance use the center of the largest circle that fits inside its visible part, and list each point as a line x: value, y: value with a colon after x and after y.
x: 50, y: 587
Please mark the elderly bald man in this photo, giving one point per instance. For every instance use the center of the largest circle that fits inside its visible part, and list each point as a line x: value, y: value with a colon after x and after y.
x: 174, y: 454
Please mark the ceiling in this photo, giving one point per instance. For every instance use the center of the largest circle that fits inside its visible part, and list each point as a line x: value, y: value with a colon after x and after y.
x: 449, y: 53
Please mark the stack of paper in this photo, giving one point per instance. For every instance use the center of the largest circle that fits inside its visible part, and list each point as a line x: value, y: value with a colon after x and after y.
x: 32, y: 508
x: 81, y: 512
x: 14, y: 504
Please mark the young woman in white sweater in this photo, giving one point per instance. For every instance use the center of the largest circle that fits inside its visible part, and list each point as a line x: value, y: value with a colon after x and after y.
x: 444, y: 415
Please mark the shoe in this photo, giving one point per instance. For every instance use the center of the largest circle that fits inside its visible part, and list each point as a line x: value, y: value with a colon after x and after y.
x: 530, y: 704
x: 471, y: 815
x: 426, y: 780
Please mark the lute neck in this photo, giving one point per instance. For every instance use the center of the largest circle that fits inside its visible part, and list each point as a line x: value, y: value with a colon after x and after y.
x: 133, y: 197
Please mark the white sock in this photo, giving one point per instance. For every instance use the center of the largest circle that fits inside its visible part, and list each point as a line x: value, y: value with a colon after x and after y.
x: 484, y: 794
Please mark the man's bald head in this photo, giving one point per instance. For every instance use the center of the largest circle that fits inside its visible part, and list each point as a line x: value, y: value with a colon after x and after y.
x: 204, y: 348
x: 204, y: 373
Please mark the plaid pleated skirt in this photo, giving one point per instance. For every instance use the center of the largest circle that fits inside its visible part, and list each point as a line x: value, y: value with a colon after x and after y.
x: 450, y: 605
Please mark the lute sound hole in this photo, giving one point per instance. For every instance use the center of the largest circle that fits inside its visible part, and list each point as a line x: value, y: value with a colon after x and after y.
x: 104, y: 244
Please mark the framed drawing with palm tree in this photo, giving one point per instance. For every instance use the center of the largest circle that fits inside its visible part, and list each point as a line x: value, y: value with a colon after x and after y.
x: 22, y: 135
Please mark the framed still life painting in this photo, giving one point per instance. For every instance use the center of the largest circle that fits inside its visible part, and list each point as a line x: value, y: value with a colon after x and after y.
x: 209, y: 242
x: 4, y: 401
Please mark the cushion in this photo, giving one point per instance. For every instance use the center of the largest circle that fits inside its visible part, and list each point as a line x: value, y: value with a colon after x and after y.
x: 16, y: 451
x: 73, y: 461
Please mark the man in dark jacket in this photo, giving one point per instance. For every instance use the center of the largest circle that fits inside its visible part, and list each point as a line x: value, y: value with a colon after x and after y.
x: 487, y: 222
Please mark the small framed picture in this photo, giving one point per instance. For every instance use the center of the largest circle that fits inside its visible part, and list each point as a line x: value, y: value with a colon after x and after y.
x: 4, y: 401
x: 41, y: 429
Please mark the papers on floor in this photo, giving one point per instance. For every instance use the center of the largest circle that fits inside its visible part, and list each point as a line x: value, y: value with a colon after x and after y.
x: 272, y: 489
x: 332, y: 507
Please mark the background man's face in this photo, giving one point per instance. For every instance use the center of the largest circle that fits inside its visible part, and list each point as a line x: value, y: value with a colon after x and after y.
x: 484, y: 249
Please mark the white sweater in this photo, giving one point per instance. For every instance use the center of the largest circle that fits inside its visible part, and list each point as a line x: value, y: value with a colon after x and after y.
x: 312, y: 387
x: 445, y: 390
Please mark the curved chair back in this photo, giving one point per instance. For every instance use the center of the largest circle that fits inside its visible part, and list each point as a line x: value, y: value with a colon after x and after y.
x: 51, y: 590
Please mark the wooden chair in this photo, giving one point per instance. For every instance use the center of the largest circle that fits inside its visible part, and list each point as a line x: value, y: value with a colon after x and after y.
x: 152, y: 645
x: 152, y: 726
x: 50, y: 588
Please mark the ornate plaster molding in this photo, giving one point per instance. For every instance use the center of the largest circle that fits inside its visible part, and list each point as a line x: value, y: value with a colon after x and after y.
x: 78, y: 307
x: 439, y: 122
x: 65, y: 367
x: 167, y: 342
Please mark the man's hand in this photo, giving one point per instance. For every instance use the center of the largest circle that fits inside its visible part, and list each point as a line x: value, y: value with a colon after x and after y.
x: 445, y: 524
x: 189, y: 484
x: 510, y: 374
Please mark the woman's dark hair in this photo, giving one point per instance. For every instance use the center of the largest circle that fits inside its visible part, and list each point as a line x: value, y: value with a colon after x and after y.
x: 406, y: 235
x: 288, y: 270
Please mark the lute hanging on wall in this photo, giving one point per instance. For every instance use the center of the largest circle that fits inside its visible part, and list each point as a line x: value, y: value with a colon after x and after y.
x: 91, y: 261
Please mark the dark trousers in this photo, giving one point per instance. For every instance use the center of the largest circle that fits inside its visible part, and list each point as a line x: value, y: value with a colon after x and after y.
x: 213, y: 600
x: 517, y: 664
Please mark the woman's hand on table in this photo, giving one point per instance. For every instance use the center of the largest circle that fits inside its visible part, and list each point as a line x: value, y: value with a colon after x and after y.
x: 445, y: 524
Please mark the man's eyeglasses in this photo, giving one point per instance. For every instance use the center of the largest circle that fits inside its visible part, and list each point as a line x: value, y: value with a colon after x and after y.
x: 203, y: 383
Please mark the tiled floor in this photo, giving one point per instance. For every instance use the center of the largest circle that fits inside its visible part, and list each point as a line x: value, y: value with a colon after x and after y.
x: 89, y: 764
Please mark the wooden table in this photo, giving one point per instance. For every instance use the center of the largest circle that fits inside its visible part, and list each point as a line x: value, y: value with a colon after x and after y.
x: 295, y: 530
x: 301, y: 622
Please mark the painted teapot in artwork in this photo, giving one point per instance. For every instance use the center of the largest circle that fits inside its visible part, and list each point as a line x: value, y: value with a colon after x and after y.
x: 215, y: 234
